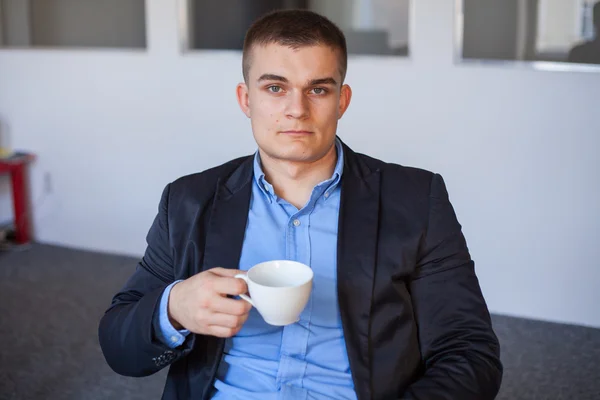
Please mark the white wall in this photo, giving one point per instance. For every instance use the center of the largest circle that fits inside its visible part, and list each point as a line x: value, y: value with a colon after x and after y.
x: 518, y: 148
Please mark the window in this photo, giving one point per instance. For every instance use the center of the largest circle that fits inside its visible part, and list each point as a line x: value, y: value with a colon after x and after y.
x: 371, y: 26
x: 529, y: 30
x: 588, y: 31
x: 73, y: 23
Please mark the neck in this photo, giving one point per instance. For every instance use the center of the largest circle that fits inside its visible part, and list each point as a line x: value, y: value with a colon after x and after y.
x: 294, y: 181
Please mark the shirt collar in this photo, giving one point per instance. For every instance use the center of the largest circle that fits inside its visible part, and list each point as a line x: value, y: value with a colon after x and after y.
x: 331, y: 183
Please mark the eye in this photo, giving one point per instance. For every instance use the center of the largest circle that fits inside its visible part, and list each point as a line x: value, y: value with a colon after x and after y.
x: 319, y: 91
x: 274, y: 89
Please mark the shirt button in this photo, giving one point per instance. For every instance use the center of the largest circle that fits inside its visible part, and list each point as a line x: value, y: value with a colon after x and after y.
x: 174, y: 339
x: 296, y: 222
x: 326, y: 194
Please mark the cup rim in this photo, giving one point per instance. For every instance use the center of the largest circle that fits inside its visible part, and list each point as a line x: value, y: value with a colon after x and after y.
x: 297, y: 263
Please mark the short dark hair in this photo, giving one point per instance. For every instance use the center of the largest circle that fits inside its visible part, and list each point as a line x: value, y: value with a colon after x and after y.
x: 295, y: 29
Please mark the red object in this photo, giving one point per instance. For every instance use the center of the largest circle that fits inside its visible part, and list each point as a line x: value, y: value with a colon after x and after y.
x: 16, y: 166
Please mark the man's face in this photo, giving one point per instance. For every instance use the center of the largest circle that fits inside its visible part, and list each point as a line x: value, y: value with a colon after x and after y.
x: 294, y: 99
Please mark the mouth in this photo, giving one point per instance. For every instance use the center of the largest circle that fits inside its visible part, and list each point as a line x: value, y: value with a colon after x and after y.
x: 296, y: 132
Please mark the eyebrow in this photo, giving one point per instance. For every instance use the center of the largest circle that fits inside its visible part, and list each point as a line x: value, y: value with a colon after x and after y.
x: 323, y: 81
x: 320, y: 81
x: 272, y: 77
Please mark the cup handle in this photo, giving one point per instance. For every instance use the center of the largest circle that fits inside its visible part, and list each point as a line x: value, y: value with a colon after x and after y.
x: 243, y: 296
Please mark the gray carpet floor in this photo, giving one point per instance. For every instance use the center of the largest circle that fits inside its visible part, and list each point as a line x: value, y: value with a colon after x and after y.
x: 51, y: 299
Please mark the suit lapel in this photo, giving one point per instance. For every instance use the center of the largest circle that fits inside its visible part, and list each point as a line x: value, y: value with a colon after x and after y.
x: 227, y: 224
x: 223, y: 246
x: 357, y: 250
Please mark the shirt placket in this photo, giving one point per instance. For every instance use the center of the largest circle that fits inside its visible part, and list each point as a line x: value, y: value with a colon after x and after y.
x: 294, y: 340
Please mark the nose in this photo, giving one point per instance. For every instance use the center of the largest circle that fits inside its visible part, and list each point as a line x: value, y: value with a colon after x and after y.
x: 297, y: 106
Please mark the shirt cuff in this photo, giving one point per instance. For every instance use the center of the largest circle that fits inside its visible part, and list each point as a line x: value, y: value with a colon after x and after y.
x: 168, y: 334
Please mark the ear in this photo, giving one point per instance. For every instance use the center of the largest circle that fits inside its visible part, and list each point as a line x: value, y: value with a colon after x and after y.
x: 243, y: 99
x: 345, y: 97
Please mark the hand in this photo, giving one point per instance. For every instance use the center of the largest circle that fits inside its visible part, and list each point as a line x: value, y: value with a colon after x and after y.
x: 200, y: 303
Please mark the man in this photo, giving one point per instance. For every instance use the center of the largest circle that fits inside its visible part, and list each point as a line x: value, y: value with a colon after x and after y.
x: 396, y: 310
x: 588, y: 53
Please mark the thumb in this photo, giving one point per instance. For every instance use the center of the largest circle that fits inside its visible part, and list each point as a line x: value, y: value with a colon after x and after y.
x: 226, y: 272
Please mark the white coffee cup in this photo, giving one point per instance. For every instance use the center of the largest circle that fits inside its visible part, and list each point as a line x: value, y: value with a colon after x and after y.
x: 279, y: 290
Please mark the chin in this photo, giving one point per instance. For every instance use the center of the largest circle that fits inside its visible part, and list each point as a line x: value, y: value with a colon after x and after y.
x: 294, y: 151
x: 292, y: 154
x: 296, y: 156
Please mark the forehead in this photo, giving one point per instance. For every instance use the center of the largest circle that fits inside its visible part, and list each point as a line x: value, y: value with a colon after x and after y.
x: 302, y: 63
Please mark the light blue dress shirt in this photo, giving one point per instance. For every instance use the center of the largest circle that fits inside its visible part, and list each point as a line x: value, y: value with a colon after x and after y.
x: 307, y: 359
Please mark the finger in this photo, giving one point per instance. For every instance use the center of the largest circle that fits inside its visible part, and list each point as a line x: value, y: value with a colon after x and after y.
x: 221, y: 331
x: 232, y: 286
x: 220, y: 304
x: 226, y: 272
x: 242, y: 320
x: 227, y: 320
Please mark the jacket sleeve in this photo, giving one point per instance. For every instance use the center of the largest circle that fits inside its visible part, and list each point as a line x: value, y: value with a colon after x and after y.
x: 128, y: 330
x: 460, y: 350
